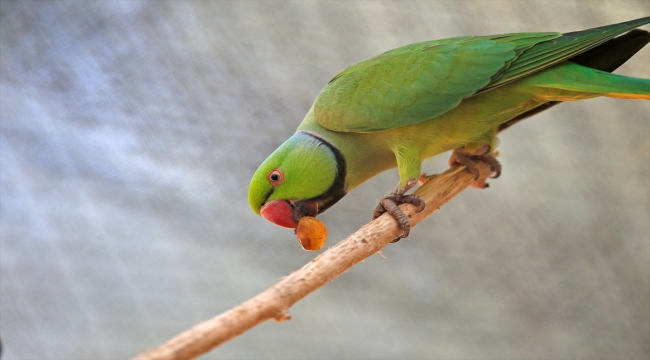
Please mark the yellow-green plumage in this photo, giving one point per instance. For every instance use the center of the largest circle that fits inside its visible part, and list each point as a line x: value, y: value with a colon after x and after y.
x: 411, y: 103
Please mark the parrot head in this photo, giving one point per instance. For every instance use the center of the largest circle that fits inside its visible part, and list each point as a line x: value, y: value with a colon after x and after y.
x: 303, y: 177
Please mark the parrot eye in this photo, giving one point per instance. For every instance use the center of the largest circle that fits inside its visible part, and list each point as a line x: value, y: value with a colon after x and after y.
x: 275, y: 177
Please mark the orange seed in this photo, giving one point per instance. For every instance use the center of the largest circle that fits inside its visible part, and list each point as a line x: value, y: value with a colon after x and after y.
x: 311, y: 233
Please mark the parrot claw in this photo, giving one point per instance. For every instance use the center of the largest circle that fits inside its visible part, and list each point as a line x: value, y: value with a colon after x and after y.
x: 495, y: 165
x: 390, y: 204
x: 459, y: 156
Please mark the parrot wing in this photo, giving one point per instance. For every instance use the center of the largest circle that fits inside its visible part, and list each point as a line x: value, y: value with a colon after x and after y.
x: 549, y: 53
x: 421, y: 81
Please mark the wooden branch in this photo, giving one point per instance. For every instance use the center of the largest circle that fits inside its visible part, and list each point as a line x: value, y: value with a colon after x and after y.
x: 274, y: 302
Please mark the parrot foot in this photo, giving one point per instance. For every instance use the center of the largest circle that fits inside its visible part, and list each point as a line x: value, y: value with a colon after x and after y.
x: 463, y: 157
x: 390, y: 204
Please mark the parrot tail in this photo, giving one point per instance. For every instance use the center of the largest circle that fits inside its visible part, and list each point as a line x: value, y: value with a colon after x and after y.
x: 570, y: 81
x: 606, y: 57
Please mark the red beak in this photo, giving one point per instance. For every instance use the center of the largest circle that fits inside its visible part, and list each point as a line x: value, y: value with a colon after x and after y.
x: 286, y: 214
x: 279, y: 213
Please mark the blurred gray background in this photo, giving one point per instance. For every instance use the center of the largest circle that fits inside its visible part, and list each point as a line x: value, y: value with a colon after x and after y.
x: 130, y: 130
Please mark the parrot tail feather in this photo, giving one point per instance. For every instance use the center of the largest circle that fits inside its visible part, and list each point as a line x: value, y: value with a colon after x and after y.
x: 606, y: 57
x: 575, y: 82
x: 645, y: 96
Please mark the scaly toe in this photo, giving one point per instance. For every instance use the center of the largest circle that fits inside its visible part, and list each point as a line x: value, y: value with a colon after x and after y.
x: 390, y: 204
x: 393, y: 209
x: 495, y: 165
x: 379, y: 211
x: 468, y: 163
x: 415, y: 200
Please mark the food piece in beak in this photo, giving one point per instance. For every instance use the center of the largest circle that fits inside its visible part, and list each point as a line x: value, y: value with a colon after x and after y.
x: 311, y: 233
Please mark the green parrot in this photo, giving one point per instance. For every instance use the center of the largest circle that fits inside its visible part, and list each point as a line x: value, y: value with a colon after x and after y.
x: 408, y: 104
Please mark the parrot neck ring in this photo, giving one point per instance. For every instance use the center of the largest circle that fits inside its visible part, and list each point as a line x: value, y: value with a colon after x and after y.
x: 337, y: 190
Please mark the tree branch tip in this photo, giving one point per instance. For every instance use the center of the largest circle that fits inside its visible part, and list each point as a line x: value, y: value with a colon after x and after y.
x: 282, y: 316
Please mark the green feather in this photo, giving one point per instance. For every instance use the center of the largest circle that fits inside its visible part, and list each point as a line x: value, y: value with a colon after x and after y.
x: 421, y: 81
x: 549, y: 53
